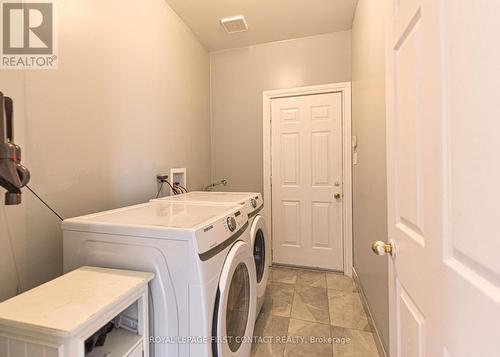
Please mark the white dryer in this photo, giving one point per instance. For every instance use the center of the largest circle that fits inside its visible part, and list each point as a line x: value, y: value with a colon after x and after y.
x: 203, y: 297
x: 259, y: 239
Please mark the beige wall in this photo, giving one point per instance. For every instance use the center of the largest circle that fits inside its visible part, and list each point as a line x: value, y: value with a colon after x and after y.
x: 369, y: 175
x: 130, y: 99
x: 12, y: 218
x: 238, y: 78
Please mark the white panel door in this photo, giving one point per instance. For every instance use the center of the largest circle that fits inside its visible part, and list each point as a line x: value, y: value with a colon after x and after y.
x: 306, y: 175
x: 443, y: 134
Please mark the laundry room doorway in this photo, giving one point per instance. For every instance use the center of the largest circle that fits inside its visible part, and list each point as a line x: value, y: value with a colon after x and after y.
x: 307, y: 176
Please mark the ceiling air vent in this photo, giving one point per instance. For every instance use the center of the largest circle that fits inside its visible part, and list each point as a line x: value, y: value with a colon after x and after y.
x: 234, y: 24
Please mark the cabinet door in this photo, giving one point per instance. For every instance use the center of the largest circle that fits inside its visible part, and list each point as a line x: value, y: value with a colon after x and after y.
x: 13, y: 347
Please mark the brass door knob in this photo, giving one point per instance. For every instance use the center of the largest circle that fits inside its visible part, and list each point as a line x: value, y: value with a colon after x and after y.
x: 337, y: 196
x: 382, y: 248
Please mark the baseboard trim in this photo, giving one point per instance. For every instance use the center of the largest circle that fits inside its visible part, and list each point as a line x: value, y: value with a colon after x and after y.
x: 371, y: 321
x: 295, y: 266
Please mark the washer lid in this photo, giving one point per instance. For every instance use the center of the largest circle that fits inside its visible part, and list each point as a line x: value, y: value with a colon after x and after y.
x: 157, y: 214
x: 252, y: 200
x: 215, y: 197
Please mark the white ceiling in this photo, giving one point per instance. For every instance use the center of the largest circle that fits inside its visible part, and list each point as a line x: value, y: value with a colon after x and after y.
x: 268, y: 20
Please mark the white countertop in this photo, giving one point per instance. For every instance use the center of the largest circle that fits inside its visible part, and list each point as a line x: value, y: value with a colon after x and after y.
x: 65, y: 304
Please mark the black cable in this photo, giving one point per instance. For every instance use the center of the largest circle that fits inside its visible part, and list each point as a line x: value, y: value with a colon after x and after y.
x: 45, y: 203
x: 159, y: 191
x: 172, y: 187
x: 182, y: 188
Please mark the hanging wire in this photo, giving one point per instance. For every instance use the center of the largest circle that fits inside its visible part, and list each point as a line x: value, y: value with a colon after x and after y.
x: 45, y: 203
x: 9, y: 233
x: 183, y: 189
x: 160, y: 190
x: 16, y: 268
x: 172, y: 187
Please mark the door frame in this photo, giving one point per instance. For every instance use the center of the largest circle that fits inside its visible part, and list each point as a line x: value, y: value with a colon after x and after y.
x: 345, y: 89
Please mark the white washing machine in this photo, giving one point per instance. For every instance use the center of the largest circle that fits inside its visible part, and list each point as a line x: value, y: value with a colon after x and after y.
x: 203, y: 299
x: 259, y: 238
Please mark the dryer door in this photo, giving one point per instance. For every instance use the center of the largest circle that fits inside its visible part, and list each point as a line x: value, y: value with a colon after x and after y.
x: 235, y: 308
x: 261, y: 253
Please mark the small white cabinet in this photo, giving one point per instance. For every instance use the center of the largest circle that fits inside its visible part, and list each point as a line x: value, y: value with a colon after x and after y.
x: 57, y: 318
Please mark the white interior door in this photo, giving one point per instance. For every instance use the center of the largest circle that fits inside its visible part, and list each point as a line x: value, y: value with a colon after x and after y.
x: 306, y: 176
x: 443, y: 174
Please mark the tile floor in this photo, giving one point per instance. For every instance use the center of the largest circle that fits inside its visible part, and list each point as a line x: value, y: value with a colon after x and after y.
x: 312, y: 313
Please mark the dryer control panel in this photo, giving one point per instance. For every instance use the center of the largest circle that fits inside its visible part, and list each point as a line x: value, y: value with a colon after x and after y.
x: 254, y: 204
x: 231, y: 223
x: 215, y: 234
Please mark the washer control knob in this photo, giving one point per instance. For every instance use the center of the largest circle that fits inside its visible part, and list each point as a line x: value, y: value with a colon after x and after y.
x: 231, y: 223
x: 254, y: 203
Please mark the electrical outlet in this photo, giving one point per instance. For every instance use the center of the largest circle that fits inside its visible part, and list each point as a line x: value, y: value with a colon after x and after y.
x: 161, y: 183
x: 179, y: 176
x: 161, y: 177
